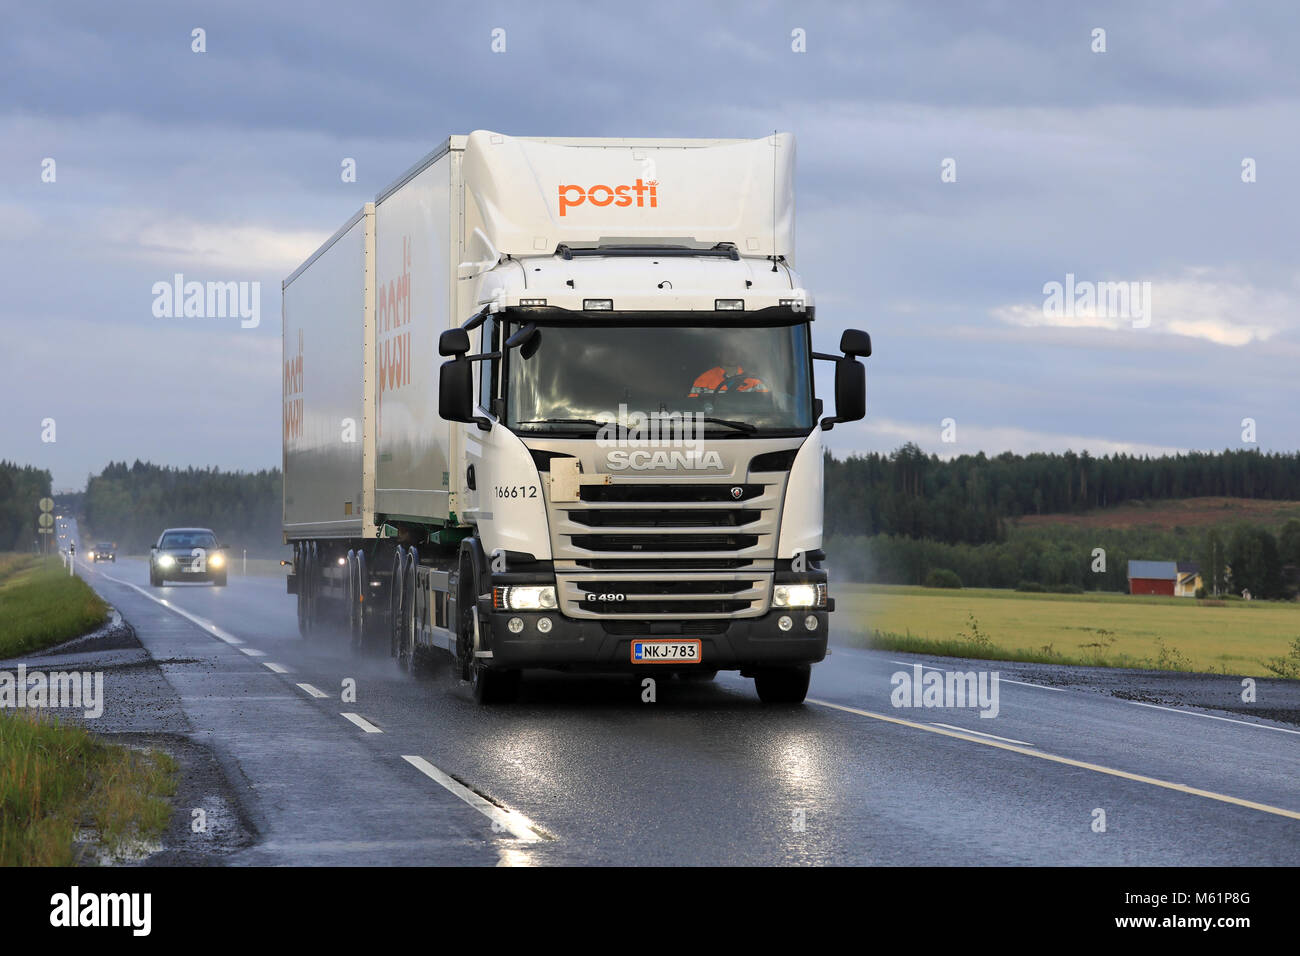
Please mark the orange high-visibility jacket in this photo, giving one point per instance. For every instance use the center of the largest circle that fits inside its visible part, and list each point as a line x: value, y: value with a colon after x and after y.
x: 711, y: 381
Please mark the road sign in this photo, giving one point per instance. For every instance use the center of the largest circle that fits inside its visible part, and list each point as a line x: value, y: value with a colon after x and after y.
x: 45, y: 520
x: 47, y: 504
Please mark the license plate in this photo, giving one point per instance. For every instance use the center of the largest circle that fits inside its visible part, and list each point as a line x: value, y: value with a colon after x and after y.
x: 666, y: 652
x: 191, y: 569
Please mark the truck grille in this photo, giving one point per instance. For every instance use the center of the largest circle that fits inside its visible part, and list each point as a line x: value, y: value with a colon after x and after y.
x: 621, y: 549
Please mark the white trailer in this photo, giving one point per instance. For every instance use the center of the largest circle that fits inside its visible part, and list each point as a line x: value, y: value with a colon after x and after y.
x: 627, y: 473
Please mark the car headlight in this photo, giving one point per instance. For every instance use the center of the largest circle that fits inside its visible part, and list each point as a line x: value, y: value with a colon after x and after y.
x: 165, y: 560
x: 799, y: 595
x: 216, y: 560
x: 91, y: 555
x: 524, y: 598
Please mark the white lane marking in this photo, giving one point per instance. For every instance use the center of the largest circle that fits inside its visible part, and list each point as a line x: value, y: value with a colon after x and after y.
x: 313, y: 691
x: 1068, y: 761
x: 1231, y: 720
x: 277, y: 668
x: 207, y: 625
x: 361, y: 722
x: 512, y: 821
x: 252, y: 652
x: 1001, y: 680
x: 980, y: 733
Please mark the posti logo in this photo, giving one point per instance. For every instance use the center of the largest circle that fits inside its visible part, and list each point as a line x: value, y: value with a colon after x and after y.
x: 393, y: 330
x: 293, y: 393
x: 642, y: 192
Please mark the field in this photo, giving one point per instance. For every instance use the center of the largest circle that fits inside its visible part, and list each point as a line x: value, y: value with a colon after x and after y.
x: 1257, y: 638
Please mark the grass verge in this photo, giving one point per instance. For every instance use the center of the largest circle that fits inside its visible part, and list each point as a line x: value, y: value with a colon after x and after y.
x: 57, y: 782
x: 41, y: 604
x: 65, y: 793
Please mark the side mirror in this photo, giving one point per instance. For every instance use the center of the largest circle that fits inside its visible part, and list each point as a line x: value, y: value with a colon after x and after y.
x: 453, y: 342
x: 456, y: 393
x: 456, y: 388
x: 855, y: 343
x: 850, y: 393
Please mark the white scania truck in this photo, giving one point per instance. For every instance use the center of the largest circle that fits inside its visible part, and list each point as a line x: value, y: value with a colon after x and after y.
x: 548, y: 403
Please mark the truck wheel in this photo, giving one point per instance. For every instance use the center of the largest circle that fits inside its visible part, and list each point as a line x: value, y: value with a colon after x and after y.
x: 494, y: 686
x: 396, y: 599
x: 783, y: 685
x: 353, y: 604
x: 220, y: 580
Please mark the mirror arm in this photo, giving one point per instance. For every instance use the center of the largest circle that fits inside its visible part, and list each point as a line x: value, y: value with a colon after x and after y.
x: 827, y: 357
x: 477, y: 319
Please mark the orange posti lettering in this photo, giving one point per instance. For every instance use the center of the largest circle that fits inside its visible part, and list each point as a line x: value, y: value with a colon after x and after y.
x: 646, y: 194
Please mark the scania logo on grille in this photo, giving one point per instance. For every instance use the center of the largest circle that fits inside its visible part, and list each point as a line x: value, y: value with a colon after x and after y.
x: 736, y: 492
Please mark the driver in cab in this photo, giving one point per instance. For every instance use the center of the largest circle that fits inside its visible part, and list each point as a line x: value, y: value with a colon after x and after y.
x: 728, y: 376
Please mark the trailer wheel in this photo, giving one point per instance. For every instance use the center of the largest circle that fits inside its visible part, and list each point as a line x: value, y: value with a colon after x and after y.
x: 396, y: 601
x: 783, y: 685
x: 406, y: 643
x: 300, y: 571
x: 353, y: 602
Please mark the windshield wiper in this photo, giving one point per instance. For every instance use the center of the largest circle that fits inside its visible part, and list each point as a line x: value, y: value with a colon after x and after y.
x: 569, y: 421
x: 745, y: 427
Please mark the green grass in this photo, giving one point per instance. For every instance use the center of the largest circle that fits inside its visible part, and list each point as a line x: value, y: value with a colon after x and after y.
x: 41, y: 604
x: 58, y: 781
x: 1256, y: 638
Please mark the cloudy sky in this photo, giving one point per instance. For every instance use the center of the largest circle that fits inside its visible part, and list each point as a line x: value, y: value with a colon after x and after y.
x: 1119, y: 166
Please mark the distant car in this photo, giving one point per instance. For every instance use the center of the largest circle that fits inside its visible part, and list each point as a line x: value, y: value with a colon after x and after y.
x: 103, y: 551
x: 187, y: 554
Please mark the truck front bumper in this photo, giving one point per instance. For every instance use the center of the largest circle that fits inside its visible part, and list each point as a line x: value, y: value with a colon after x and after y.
x: 605, y: 645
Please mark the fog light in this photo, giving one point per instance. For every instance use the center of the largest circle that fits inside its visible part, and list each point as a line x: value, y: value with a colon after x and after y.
x: 785, y: 622
x: 810, y: 622
x: 544, y: 625
x: 516, y: 624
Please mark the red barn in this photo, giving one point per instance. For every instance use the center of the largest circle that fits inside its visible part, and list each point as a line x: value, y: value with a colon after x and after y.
x: 1152, y: 577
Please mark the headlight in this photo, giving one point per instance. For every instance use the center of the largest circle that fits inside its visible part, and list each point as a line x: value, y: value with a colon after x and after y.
x: 216, y: 560
x: 799, y: 595
x: 165, y: 560
x: 525, y: 598
x: 91, y: 555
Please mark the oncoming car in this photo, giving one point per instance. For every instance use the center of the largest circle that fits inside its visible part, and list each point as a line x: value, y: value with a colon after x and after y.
x: 103, y: 551
x: 187, y: 554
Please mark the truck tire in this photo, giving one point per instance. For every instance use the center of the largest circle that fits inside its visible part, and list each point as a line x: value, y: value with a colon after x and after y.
x: 299, y: 571
x: 396, y: 601
x: 783, y: 685
x: 406, y: 649
x: 220, y: 580
x: 354, y: 602
x: 489, y: 685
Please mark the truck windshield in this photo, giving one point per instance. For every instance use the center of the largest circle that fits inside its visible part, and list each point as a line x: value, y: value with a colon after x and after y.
x: 742, y: 380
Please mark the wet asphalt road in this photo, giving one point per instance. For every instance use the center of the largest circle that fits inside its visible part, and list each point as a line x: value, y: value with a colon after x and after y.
x: 590, y: 774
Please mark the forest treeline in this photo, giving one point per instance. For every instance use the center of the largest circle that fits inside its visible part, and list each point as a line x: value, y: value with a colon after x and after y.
x: 969, y: 499
x: 131, y: 504
x: 21, y: 489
